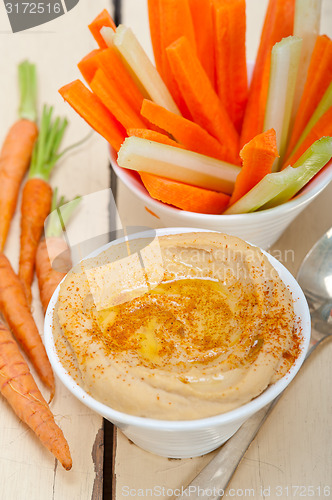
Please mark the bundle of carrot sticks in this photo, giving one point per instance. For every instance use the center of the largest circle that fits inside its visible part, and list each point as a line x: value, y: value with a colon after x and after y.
x: 193, y: 118
x: 32, y: 150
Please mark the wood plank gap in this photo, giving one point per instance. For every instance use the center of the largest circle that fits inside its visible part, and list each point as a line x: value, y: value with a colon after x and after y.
x: 109, y: 429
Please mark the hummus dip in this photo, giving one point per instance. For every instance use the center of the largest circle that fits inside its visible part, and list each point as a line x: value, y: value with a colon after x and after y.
x: 180, y: 327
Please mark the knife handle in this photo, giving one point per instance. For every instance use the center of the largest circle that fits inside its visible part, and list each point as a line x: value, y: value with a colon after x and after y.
x: 217, y: 474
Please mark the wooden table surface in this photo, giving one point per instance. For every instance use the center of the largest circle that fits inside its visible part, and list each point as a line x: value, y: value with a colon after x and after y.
x: 293, y: 448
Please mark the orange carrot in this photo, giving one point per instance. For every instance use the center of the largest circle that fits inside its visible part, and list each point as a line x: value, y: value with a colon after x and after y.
x: 17, y: 385
x: 109, y: 61
x: 36, y: 205
x: 257, y: 157
x: 114, y: 101
x: 318, y: 79
x: 89, y: 107
x: 154, y: 23
x: 188, y: 133
x: 103, y: 19
x: 53, y: 258
x: 322, y: 128
x: 17, y: 149
x: 152, y: 135
x: 48, y: 278
x: 15, y: 309
x: 201, y: 13
x: 175, y: 21
x: 278, y: 24
x: 230, y: 55
x: 89, y: 65
x: 37, y: 194
x: 202, y: 101
x: 14, y: 162
x: 185, y: 196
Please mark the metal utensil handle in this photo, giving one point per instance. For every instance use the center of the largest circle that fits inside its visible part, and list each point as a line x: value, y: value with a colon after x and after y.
x: 217, y: 474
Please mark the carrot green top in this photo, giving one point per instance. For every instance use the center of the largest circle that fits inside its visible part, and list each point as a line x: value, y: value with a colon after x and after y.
x: 27, y: 79
x: 45, y: 153
x: 61, y: 212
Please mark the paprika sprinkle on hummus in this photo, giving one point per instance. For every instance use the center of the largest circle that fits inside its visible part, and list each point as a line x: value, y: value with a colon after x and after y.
x: 181, y: 327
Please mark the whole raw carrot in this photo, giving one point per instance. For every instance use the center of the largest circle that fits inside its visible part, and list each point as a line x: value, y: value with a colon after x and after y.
x: 17, y: 385
x: 17, y: 149
x: 53, y: 259
x: 37, y: 194
x: 15, y: 309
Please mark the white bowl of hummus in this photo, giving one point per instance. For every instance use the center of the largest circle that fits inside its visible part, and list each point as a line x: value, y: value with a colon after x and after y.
x: 177, y: 336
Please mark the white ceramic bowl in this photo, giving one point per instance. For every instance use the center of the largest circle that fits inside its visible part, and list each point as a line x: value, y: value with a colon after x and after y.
x: 261, y: 228
x: 186, y: 438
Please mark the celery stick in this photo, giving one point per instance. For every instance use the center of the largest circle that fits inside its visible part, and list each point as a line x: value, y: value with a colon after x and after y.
x: 27, y: 79
x: 108, y: 35
x: 177, y: 164
x: 323, y: 106
x: 284, y: 66
x: 306, y: 167
x: 306, y: 26
x: 279, y: 187
x: 142, y: 69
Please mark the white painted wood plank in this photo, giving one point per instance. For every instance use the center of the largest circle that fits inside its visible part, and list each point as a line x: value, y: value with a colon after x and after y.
x: 294, y: 445
x: 27, y: 470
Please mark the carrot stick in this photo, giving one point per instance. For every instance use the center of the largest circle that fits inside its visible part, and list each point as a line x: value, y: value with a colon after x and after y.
x: 37, y: 194
x: 152, y: 135
x: 318, y: 79
x: 201, y: 13
x: 154, y: 24
x: 322, y: 128
x: 17, y: 149
x: 89, y: 107
x: 18, y: 387
x: 36, y: 205
x: 89, y: 65
x: 257, y: 157
x: 175, y: 21
x: 114, y: 101
x: 185, y: 196
x: 278, y: 24
x: 15, y: 309
x: 103, y: 19
x: 188, y: 133
x: 202, y: 101
x: 109, y: 61
x: 230, y: 55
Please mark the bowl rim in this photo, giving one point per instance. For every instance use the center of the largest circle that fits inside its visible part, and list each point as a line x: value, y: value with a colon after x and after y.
x: 310, y: 191
x: 237, y: 414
